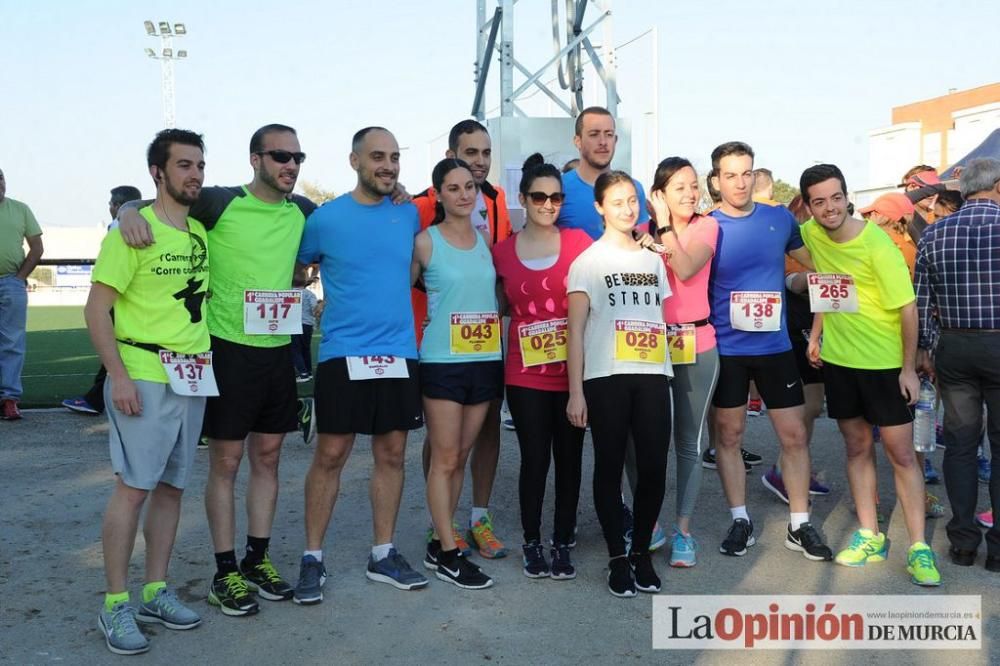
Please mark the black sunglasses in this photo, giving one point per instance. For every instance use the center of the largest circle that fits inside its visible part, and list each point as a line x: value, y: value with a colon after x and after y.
x: 282, y: 156
x: 539, y: 198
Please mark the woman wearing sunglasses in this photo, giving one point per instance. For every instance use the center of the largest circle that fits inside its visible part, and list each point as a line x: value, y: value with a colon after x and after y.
x: 689, y: 241
x: 533, y: 267
x: 461, y: 369
x: 619, y: 372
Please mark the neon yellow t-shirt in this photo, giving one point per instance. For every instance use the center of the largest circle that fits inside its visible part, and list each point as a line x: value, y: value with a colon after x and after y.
x: 872, y: 337
x: 161, y: 293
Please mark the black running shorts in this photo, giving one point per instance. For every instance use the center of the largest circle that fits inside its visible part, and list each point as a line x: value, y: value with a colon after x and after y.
x: 776, y: 377
x: 871, y: 394
x: 365, y: 406
x: 467, y: 383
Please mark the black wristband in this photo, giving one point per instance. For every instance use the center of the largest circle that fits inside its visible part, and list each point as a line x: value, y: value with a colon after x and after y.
x: 662, y: 230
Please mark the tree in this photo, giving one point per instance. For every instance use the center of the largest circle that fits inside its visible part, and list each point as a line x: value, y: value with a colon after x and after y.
x: 784, y: 192
x: 315, y: 193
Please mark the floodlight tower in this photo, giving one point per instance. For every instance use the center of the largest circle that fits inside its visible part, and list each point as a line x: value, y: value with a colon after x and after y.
x: 166, y: 55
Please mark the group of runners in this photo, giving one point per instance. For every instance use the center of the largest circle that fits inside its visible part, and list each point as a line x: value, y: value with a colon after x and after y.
x: 642, y: 327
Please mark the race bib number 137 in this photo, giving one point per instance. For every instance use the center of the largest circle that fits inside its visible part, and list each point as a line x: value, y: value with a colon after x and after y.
x: 189, y: 374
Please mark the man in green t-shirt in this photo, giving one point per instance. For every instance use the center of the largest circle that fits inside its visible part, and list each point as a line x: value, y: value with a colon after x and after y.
x: 867, y: 314
x: 17, y: 225
x: 158, y: 374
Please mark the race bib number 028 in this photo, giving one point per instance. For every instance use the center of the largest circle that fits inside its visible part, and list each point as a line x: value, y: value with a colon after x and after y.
x: 681, y: 339
x: 543, y: 342
x: 832, y: 292
x: 272, y: 312
x: 376, y: 367
x: 475, y: 333
x: 190, y: 374
x: 755, y: 311
x: 640, y: 341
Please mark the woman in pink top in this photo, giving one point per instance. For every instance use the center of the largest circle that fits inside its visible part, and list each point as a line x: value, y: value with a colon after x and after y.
x: 533, y: 266
x: 689, y: 240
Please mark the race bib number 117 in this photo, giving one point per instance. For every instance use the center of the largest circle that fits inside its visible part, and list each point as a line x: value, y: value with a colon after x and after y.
x: 272, y: 312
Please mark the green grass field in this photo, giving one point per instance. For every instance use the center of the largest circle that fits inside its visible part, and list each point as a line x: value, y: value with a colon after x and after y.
x: 61, y: 362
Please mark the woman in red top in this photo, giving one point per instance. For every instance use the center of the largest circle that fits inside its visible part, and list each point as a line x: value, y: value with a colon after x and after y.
x: 533, y: 267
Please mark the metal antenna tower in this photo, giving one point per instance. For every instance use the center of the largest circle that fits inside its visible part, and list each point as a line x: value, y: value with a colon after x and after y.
x: 166, y: 55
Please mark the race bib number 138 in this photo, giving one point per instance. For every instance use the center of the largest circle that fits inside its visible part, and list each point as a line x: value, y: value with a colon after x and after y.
x: 755, y: 311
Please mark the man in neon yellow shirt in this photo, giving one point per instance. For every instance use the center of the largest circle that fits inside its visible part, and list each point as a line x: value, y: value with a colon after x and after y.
x: 158, y: 295
x: 867, y: 315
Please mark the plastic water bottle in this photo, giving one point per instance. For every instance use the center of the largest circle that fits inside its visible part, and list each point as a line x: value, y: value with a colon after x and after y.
x: 923, y: 418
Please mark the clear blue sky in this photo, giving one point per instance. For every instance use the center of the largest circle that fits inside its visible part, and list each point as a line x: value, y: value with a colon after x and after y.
x: 801, y: 81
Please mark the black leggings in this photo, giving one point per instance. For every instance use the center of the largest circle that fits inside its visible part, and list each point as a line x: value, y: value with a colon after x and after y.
x: 544, y: 433
x: 619, y: 405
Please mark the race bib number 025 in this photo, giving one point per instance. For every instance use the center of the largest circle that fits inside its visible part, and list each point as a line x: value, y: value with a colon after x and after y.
x: 190, y: 374
x: 543, y: 342
x: 272, y: 312
x: 681, y: 339
x: 832, y: 292
x: 755, y: 311
x: 376, y: 367
x: 475, y: 333
x: 640, y: 341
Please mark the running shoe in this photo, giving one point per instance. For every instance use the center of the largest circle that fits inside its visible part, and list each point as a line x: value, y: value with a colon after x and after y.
x: 303, y: 377
x: 931, y: 477
x: 683, y: 552
x: 658, y: 539
x: 166, y: 609
x: 933, y: 505
x: 203, y: 442
x: 985, y: 519
x: 621, y: 582
x: 464, y: 574
x: 708, y: 459
x: 312, y: 576
x: 121, y: 633
x: 79, y: 405
x: 817, y: 487
x: 866, y: 547
x: 482, y: 534
x: 9, y: 410
x: 807, y: 541
x: 628, y: 524
x: 456, y: 534
x: 232, y: 595
x: 922, y: 565
x: 307, y: 419
x: 263, y: 578
x: 643, y: 572
x: 738, y: 539
x: 773, y: 482
x: 508, y: 424
x: 755, y: 407
x: 535, y: 565
x: 562, y: 567
x: 751, y: 458
x: 431, y: 555
x: 984, y: 469
x: 394, y: 570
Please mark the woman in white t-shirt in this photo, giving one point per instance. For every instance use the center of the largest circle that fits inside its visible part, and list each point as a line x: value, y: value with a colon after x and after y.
x: 619, y: 375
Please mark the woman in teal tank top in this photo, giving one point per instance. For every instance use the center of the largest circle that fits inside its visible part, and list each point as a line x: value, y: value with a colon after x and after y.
x: 461, y: 367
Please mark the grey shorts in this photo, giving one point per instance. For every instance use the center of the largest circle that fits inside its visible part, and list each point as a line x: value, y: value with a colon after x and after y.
x: 158, y: 445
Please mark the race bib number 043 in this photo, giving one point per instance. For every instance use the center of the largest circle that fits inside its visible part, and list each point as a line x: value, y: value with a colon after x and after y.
x: 376, y: 367
x: 681, y: 339
x: 543, y: 342
x: 190, y: 374
x: 755, y: 311
x: 475, y: 333
x: 832, y: 292
x: 272, y: 312
x: 640, y: 341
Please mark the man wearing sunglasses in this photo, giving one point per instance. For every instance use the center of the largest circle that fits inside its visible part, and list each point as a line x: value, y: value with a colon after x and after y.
x: 469, y: 140
x: 254, y: 233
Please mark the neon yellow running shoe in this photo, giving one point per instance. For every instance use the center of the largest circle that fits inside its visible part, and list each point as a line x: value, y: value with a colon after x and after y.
x: 922, y: 565
x: 482, y: 534
x: 866, y: 546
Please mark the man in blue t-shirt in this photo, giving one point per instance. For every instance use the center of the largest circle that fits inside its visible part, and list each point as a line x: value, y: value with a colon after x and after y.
x: 596, y: 140
x: 746, y: 293
x: 366, y: 380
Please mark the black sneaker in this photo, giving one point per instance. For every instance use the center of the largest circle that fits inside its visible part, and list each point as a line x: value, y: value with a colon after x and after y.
x: 620, y: 580
x: 708, y: 459
x: 307, y: 419
x: 646, y: 579
x: 264, y: 579
x: 739, y: 538
x: 807, y: 541
x: 463, y: 573
x: 562, y: 567
x: 535, y: 565
x: 431, y: 555
x: 751, y: 458
x: 232, y: 595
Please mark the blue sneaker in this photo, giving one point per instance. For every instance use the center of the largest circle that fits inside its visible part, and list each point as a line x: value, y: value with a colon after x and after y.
x: 684, y: 550
x: 312, y: 576
x: 816, y: 487
x: 984, y: 469
x: 80, y: 406
x: 396, y: 571
x: 121, y: 633
x: 166, y: 609
x: 931, y: 477
x: 658, y: 539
